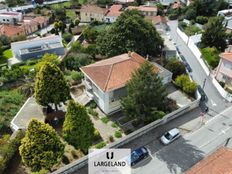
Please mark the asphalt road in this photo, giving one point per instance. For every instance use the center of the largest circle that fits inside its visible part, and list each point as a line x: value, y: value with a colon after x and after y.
x: 190, y: 148
x: 151, y: 139
x: 216, y: 102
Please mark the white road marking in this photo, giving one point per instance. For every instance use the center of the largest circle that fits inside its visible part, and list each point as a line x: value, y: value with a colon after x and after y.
x: 213, y: 103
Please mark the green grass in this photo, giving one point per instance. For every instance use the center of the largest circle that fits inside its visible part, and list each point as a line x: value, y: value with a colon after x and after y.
x: 8, y: 53
x: 211, y: 55
x: 10, y: 103
x: 105, y: 120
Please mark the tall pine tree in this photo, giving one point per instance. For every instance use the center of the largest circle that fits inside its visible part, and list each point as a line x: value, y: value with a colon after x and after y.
x: 78, y: 129
x: 50, y: 86
x: 146, y: 95
x: 41, y: 148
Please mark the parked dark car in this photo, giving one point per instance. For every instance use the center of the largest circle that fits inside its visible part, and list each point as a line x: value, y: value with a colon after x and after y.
x: 138, y: 154
x: 186, y: 63
x: 202, y: 93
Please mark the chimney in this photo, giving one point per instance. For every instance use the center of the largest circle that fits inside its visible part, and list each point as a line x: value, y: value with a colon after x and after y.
x: 147, y: 57
x: 129, y: 53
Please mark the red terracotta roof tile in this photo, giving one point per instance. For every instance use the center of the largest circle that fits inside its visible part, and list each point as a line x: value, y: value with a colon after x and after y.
x: 220, y: 162
x: 115, y: 10
x: 11, y: 30
x: 114, y: 72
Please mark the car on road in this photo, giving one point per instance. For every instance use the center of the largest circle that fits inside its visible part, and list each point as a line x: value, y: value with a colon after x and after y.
x: 202, y: 93
x: 138, y: 155
x: 186, y: 63
x: 170, y: 136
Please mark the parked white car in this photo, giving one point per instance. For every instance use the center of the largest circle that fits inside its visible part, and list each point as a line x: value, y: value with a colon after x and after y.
x: 170, y: 136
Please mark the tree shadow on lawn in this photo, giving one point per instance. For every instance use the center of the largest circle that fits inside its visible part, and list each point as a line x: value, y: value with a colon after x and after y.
x: 181, y: 155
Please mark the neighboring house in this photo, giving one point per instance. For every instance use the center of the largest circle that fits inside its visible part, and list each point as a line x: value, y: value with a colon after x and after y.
x: 32, y: 24
x: 124, y: 1
x: 36, y: 48
x: 227, y: 14
x: 176, y: 5
x: 224, y: 69
x: 166, y: 2
x: 90, y: 13
x: 113, y: 13
x: 218, y: 162
x: 12, y: 31
x: 105, y: 80
x: 146, y: 10
x: 10, y: 17
x: 159, y: 22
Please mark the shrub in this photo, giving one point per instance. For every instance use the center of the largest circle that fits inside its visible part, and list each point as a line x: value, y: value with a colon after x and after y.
x: 67, y: 37
x: 114, y: 125
x: 211, y: 55
x: 92, y: 112
x: 77, y: 76
x: 186, y: 84
x: 202, y: 20
x: 111, y: 139
x: 8, y: 148
x: 92, y: 105
x: 117, y: 134
x: 97, y: 135
x: 105, y: 120
x: 100, y: 145
x: 176, y: 67
x: 90, y: 34
x: 190, y: 14
x: 75, y: 61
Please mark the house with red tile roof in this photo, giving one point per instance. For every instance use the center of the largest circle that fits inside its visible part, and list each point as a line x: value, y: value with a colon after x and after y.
x: 105, y: 81
x: 12, y: 31
x: 224, y: 69
x: 113, y: 13
x: 217, y: 163
x: 146, y: 10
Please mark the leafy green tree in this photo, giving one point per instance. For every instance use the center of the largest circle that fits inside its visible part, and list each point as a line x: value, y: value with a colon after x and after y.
x: 207, y: 8
x: 52, y: 58
x: 190, y: 14
x: 104, y: 2
x: 75, y: 61
x: 130, y: 32
x: 146, y: 95
x: 50, y: 86
x: 215, y: 34
x: 78, y: 129
x: 176, y: 67
x: 41, y: 148
x: 90, y: 34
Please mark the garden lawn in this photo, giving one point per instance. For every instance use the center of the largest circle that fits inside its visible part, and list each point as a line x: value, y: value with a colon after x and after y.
x: 211, y: 55
x: 7, y: 54
x: 10, y: 103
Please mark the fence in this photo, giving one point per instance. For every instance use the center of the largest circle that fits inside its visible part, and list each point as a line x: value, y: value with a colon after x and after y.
x: 78, y: 164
